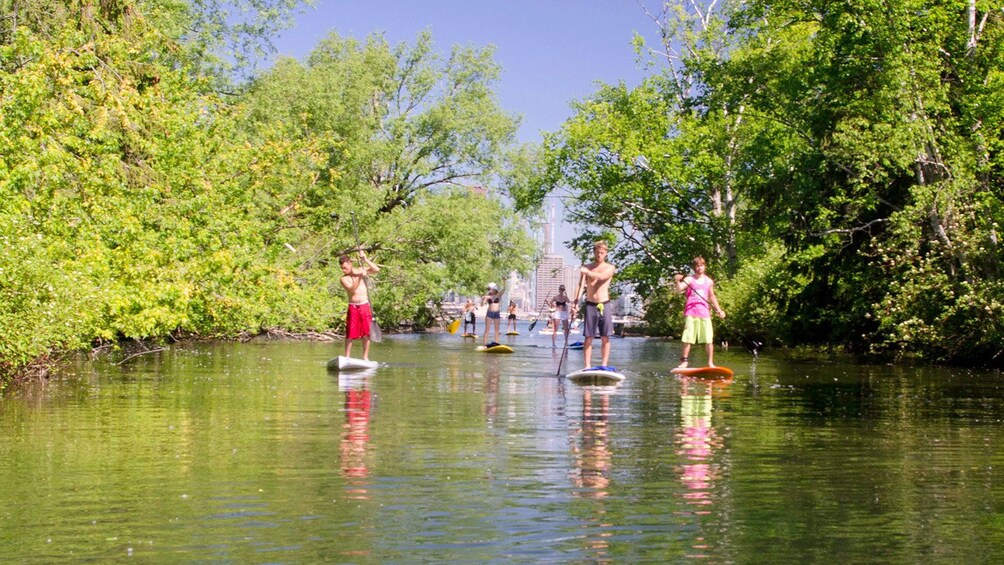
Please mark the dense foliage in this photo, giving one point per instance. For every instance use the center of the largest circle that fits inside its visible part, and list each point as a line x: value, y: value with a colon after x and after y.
x: 142, y: 195
x: 838, y: 163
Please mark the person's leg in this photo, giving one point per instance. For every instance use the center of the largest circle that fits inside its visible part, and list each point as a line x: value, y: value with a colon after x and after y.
x: 488, y: 326
x: 710, y: 349
x: 605, y: 348
x: 590, y: 329
x: 554, y: 338
x: 688, y: 337
x: 348, y: 332
x: 366, y: 348
x: 498, y: 323
x: 684, y: 357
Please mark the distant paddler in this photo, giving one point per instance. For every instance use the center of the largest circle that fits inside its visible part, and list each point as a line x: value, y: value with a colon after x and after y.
x: 470, y: 318
x: 494, y: 316
x: 559, y: 314
x: 510, y: 325
x: 360, y: 314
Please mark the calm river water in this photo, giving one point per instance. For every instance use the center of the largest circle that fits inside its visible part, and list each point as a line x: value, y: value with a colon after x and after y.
x: 250, y: 453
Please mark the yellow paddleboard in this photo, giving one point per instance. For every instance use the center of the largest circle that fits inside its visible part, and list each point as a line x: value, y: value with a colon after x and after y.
x: 498, y: 348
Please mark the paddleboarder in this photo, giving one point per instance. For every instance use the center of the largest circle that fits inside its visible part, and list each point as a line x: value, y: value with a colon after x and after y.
x: 470, y: 318
x: 494, y: 316
x: 595, y: 279
x: 510, y: 325
x: 560, y: 314
x: 697, y: 328
x: 359, y: 315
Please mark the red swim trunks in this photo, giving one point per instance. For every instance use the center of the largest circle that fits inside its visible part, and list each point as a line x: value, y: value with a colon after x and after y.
x: 357, y: 321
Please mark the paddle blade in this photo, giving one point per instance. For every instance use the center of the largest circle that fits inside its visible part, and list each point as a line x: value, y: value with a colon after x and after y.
x: 532, y: 324
x: 453, y: 326
x: 375, y: 333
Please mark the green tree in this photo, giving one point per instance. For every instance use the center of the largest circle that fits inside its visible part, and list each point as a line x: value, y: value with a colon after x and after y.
x: 660, y: 166
x: 127, y: 184
x: 409, y: 145
x: 890, y: 195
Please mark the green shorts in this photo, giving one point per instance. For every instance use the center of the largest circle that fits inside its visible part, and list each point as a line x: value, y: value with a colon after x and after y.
x: 697, y: 330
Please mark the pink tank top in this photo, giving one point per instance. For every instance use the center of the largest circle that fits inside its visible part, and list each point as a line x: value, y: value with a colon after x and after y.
x: 697, y: 298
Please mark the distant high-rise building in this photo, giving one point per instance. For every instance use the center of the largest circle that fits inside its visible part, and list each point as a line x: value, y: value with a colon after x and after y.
x: 571, y: 278
x: 552, y: 271
x: 550, y: 275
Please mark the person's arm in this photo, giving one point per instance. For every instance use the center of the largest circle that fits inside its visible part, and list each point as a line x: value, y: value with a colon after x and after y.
x: 369, y: 267
x: 681, y: 283
x: 714, y: 301
x: 578, y: 291
x: 607, y: 274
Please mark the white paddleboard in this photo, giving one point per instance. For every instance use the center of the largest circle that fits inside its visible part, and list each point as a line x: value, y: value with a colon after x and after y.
x: 596, y: 376
x: 347, y: 364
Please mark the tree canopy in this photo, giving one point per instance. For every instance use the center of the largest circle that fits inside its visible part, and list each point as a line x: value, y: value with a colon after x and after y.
x: 140, y: 200
x: 838, y: 162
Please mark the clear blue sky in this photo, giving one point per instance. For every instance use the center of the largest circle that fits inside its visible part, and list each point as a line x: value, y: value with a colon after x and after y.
x: 551, y: 51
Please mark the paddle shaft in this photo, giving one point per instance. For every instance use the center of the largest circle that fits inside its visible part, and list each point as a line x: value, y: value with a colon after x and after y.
x: 375, y: 333
x: 564, y: 349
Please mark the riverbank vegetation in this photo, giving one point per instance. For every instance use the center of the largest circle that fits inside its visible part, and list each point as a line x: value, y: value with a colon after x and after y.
x: 839, y: 164
x: 145, y: 194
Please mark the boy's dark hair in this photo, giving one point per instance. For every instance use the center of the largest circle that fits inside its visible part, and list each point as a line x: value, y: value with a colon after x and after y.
x: 344, y: 259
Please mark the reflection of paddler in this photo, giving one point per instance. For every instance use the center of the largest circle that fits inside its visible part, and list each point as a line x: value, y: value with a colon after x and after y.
x: 491, y: 387
x: 697, y: 442
x: 593, y: 461
x: 356, y: 438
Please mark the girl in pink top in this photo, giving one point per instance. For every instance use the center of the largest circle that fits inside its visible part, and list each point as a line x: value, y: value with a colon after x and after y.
x: 700, y: 291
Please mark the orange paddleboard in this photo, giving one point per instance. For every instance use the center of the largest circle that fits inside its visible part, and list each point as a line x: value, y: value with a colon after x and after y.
x: 706, y: 372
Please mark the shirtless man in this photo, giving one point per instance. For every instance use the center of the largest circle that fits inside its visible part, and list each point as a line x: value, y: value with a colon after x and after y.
x: 596, y: 277
x: 360, y: 315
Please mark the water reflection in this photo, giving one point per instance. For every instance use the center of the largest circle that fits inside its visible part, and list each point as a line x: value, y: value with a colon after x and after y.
x: 697, y: 441
x: 591, y: 475
x: 491, y: 387
x: 592, y: 451
x: 354, y: 445
x: 252, y: 453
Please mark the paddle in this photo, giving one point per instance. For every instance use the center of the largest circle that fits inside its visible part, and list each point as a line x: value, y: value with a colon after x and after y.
x: 539, y: 314
x: 451, y: 326
x: 375, y: 333
x: 564, y: 349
